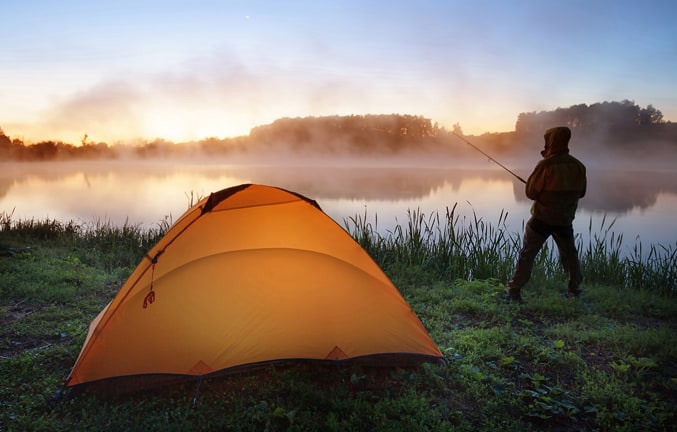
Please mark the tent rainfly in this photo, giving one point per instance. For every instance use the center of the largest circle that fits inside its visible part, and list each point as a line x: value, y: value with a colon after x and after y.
x: 249, y: 275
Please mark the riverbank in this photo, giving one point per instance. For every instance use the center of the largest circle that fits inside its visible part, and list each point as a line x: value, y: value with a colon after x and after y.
x: 604, y: 361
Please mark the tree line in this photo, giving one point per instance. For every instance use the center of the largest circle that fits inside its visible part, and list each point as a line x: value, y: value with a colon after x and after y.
x: 620, y: 125
x: 623, y: 116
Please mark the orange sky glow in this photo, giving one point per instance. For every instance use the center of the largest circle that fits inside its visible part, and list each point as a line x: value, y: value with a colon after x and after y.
x: 128, y: 72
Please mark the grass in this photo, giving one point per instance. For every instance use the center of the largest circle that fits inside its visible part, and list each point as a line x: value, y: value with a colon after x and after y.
x: 606, y: 361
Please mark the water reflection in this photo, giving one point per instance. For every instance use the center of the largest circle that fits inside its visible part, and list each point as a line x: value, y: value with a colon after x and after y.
x: 642, y: 202
x: 619, y: 192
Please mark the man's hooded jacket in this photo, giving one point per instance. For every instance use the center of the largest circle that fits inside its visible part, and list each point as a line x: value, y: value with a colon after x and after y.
x: 558, y: 181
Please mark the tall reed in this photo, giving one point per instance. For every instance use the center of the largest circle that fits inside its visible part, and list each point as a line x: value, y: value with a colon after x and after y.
x: 99, y: 243
x: 450, y: 247
x: 603, y: 261
x: 440, y: 246
x: 435, y: 246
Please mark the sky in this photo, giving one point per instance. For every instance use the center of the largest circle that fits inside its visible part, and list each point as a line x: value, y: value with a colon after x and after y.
x: 127, y: 71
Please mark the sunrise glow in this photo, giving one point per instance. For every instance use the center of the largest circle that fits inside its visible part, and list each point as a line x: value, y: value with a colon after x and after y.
x: 119, y: 72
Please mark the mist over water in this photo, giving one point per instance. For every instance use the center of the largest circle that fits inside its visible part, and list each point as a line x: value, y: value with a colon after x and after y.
x: 640, y: 204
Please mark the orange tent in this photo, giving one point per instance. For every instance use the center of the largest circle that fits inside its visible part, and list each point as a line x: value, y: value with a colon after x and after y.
x: 249, y: 275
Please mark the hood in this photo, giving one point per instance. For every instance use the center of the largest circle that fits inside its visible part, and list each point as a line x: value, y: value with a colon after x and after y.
x: 556, y: 141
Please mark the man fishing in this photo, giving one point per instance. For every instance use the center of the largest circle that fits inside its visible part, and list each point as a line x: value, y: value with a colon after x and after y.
x: 555, y: 186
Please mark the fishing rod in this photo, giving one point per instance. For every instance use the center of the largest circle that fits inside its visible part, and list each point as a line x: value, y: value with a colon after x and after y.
x: 490, y: 158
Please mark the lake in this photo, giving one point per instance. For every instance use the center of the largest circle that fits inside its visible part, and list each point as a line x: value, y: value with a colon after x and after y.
x: 641, y: 204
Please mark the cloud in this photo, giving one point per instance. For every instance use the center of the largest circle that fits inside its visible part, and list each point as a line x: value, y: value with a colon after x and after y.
x: 104, y: 105
x: 204, y: 94
x: 223, y: 94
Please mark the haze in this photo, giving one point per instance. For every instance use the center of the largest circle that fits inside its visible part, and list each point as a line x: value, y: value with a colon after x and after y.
x: 122, y: 71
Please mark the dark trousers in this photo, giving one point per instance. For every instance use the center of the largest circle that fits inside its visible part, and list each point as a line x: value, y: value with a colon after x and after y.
x: 535, y: 234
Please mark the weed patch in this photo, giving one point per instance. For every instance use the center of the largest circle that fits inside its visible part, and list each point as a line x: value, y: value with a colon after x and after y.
x: 604, y: 361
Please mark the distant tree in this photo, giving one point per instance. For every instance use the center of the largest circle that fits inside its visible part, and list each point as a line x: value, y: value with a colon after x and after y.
x: 614, y: 115
x: 620, y: 116
x: 436, y: 129
x: 5, y: 146
x: 650, y: 116
x: 45, y: 150
x: 577, y: 117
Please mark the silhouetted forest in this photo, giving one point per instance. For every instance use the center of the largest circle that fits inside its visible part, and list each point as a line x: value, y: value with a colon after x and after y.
x: 622, y: 128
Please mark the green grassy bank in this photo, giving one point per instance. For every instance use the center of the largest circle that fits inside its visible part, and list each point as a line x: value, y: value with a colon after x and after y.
x: 604, y: 361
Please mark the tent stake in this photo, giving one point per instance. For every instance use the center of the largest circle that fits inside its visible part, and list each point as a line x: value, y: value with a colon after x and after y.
x: 197, y: 391
x: 56, y: 398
